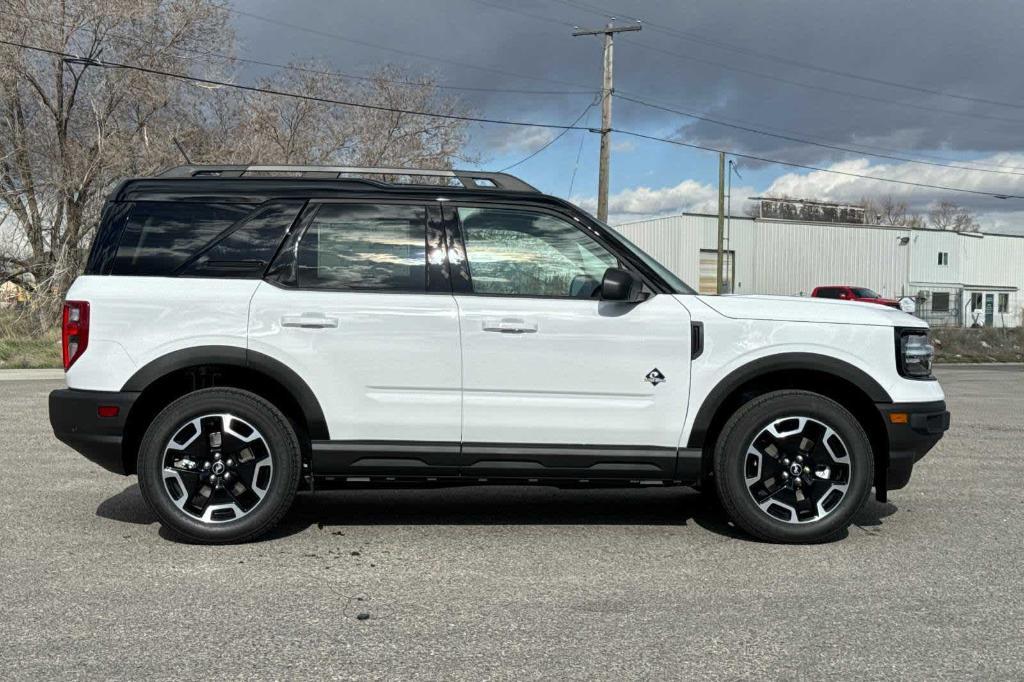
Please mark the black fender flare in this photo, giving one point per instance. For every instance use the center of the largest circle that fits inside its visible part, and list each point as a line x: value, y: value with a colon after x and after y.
x: 776, y: 363
x: 234, y: 356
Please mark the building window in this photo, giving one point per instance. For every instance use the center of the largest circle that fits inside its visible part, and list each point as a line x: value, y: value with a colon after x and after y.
x: 1004, y: 303
x: 940, y: 302
x: 976, y: 301
x: 943, y: 257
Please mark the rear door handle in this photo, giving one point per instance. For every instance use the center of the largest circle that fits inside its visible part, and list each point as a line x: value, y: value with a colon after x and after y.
x: 309, y: 321
x: 510, y: 325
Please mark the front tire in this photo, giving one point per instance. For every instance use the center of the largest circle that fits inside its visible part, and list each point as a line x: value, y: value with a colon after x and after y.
x: 219, y: 465
x: 793, y: 466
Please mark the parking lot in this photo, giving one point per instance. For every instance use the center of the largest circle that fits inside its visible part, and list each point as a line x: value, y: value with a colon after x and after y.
x: 520, y: 583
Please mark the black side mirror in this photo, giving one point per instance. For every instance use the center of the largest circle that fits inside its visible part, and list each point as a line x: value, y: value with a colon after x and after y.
x: 620, y: 285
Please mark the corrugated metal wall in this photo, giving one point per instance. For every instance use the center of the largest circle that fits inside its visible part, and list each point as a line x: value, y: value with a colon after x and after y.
x: 791, y: 258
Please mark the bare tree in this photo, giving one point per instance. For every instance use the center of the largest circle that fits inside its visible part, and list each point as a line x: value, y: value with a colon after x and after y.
x: 69, y: 128
x: 283, y: 130
x: 949, y: 216
x: 888, y: 211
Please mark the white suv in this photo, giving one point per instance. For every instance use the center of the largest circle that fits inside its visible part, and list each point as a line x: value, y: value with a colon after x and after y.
x: 241, y: 333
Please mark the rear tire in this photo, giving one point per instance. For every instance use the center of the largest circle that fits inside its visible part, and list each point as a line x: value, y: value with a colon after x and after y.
x: 793, y: 466
x: 219, y: 465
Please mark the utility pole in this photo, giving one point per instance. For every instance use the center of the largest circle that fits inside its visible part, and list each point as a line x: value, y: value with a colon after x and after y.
x: 606, y: 107
x: 721, y: 220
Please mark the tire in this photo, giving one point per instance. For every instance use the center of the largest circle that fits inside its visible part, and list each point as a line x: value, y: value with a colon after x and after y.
x: 219, y: 465
x: 771, y: 495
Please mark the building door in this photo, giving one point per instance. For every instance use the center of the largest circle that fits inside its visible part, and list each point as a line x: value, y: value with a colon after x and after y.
x: 989, y: 309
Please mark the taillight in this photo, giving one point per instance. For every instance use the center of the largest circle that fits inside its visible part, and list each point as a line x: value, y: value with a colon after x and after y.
x: 74, y: 331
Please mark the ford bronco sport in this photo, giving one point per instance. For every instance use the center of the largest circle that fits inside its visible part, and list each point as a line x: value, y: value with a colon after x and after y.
x: 244, y: 332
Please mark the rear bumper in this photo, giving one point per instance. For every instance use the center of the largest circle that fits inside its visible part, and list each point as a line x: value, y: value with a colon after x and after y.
x: 911, y: 440
x: 74, y: 416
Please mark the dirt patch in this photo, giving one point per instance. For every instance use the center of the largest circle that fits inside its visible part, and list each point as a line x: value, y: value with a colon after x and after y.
x: 979, y: 345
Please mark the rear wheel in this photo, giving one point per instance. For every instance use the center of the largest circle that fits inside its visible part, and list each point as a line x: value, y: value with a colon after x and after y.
x: 219, y: 465
x: 793, y: 466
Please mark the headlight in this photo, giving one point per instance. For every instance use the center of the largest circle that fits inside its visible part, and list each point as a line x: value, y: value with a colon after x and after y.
x: 914, y: 353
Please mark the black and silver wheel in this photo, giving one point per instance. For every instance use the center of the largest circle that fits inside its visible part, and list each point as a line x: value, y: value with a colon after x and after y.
x: 793, y: 466
x: 219, y: 465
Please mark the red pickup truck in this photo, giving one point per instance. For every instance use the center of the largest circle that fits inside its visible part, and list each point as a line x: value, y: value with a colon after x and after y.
x: 853, y: 294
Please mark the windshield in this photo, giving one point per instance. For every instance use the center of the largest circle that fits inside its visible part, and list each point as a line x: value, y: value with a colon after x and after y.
x: 865, y: 293
x: 678, y: 285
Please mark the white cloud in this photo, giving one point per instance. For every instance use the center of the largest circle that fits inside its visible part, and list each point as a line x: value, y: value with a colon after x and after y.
x: 623, y: 146
x: 993, y: 214
x: 689, y: 196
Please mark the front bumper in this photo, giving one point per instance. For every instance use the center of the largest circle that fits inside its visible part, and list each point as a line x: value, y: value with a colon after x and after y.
x: 909, y: 439
x: 74, y: 416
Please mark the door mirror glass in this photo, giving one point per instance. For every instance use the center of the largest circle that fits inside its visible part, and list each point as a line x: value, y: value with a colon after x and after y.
x: 620, y: 285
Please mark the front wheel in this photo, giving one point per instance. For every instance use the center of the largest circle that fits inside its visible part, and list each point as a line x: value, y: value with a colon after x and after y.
x: 219, y: 465
x: 793, y: 466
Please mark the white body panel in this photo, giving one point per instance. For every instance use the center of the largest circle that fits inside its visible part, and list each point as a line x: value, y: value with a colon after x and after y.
x: 135, y: 320
x: 389, y: 370
x: 823, y: 310
x: 577, y: 374
x: 397, y: 367
x: 865, y: 341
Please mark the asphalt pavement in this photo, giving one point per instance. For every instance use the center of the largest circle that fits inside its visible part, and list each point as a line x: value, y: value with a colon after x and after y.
x: 518, y: 583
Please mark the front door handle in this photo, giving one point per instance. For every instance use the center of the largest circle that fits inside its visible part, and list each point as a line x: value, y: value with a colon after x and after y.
x: 309, y: 321
x: 510, y: 325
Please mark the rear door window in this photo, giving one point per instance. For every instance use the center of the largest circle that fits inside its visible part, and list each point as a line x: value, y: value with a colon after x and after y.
x: 247, y: 250
x: 160, y: 236
x: 365, y: 247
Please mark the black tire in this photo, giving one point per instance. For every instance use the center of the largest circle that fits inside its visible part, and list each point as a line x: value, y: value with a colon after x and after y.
x: 281, y: 446
x: 733, y: 465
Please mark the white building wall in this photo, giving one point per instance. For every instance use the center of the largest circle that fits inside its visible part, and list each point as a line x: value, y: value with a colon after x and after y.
x: 774, y: 257
x: 791, y: 258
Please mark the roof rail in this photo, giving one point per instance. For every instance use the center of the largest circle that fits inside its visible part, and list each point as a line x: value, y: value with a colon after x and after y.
x: 468, y: 179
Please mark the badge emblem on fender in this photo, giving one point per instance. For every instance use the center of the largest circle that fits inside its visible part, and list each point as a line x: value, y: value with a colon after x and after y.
x: 655, y: 377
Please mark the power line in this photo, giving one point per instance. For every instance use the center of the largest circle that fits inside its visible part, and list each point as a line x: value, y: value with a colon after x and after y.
x: 281, y: 93
x: 753, y: 157
x: 885, y: 153
x: 823, y: 88
x: 669, y: 30
x: 407, y: 53
x: 554, y: 139
x: 795, y: 83
x: 295, y: 67
x: 477, y: 119
x: 576, y: 166
x: 798, y: 140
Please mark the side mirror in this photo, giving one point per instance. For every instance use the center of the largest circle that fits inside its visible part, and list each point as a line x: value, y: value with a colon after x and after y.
x: 620, y: 285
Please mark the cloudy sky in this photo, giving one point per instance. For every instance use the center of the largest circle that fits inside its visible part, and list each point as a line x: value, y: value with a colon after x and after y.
x: 935, y: 81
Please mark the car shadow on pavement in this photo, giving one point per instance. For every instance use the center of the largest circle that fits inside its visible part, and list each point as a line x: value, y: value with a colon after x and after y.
x: 127, y: 507
x: 490, y: 505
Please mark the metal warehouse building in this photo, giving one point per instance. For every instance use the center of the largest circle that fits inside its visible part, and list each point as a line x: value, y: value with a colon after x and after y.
x: 958, y: 279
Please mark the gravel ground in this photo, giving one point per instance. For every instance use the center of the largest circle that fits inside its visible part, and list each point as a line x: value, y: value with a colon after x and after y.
x: 503, y: 583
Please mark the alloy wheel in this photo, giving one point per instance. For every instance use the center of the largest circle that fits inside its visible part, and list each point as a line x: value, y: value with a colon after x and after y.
x: 797, y: 469
x: 217, y: 468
